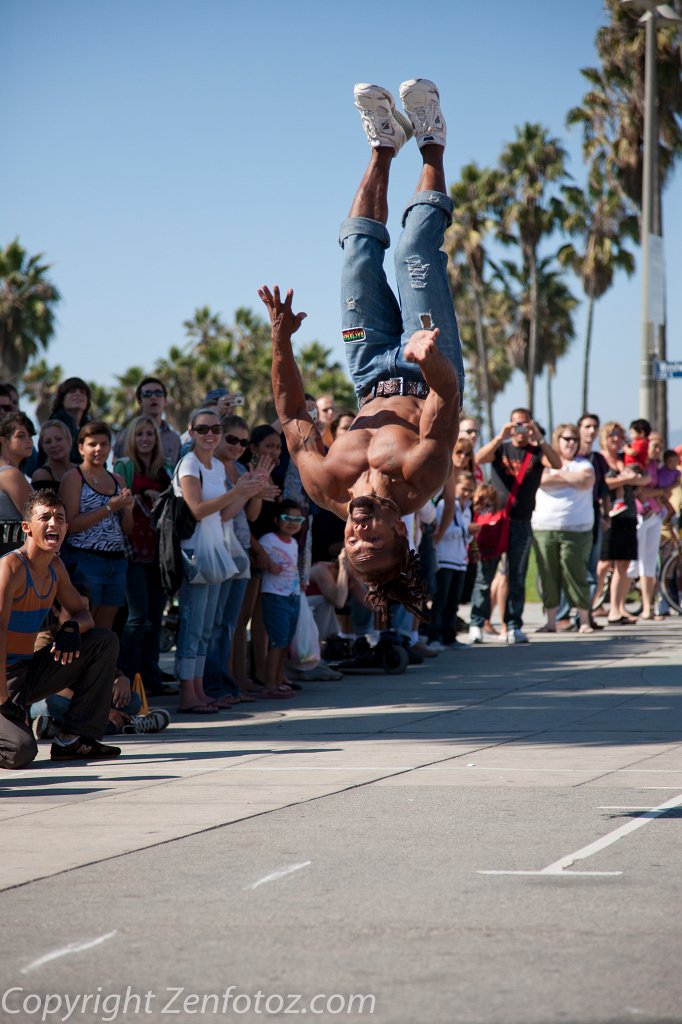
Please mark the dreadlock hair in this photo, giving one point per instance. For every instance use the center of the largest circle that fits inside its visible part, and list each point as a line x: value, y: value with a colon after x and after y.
x: 407, y: 587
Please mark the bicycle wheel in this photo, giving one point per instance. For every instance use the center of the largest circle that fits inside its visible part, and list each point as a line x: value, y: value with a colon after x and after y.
x: 633, y: 599
x: 671, y: 580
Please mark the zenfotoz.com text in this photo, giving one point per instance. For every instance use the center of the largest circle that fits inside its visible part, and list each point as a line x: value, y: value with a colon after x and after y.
x: 175, y: 1000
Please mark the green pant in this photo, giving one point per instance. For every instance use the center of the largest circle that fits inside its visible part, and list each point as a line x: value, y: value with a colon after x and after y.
x: 562, y: 563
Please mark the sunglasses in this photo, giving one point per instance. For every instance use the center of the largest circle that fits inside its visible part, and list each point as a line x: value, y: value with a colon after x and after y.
x: 470, y: 430
x: 292, y: 519
x: 204, y: 428
x: 458, y: 451
x: 5, y: 408
x: 231, y: 439
x: 153, y: 393
x: 569, y: 440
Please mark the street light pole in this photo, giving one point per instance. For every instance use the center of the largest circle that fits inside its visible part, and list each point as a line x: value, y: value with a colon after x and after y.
x: 647, y: 394
x: 653, y: 397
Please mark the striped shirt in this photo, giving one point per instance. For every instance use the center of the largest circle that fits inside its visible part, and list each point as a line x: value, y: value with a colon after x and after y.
x: 29, y: 610
x: 105, y: 535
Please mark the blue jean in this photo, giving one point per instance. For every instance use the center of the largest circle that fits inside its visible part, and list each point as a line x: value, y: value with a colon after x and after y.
x: 376, y: 325
x: 198, y: 602
x: 520, y: 537
x: 217, y: 681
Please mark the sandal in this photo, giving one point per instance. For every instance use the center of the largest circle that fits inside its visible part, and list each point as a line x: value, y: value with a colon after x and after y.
x: 224, y: 703
x: 546, y: 629
x: 246, y: 697
x: 585, y: 629
x: 198, y: 709
x: 279, y: 693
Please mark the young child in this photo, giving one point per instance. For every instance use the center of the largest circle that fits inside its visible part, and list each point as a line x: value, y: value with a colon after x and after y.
x: 452, y: 555
x: 635, y: 455
x: 281, y: 594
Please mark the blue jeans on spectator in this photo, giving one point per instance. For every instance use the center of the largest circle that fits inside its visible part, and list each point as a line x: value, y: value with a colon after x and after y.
x: 377, y: 326
x: 198, y: 602
x: 520, y: 537
x: 217, y: 680
x: 480, y: 598
x: 140, y: 639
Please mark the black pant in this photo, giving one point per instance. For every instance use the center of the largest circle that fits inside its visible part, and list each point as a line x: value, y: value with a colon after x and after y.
x: 443, y: 625
x: 91, y: 677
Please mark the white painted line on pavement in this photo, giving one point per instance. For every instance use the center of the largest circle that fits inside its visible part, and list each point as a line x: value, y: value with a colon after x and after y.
x: 558, y: 867
x: 278, y: 874
x: 73, y: 947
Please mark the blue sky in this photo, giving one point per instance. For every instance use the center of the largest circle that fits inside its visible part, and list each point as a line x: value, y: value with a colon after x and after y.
x: 168, y: 155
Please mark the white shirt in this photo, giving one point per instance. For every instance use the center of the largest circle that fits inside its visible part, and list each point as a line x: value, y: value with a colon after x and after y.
x: 284, y: 553
x: 212, y: 484
x: 565, y: 507
x: 451, y: 549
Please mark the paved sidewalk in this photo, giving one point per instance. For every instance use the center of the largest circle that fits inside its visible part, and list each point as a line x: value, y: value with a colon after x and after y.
x: 490, y: 838
x: 559, y: 711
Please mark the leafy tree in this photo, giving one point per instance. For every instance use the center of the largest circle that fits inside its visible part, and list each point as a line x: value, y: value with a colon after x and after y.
x: 27, y: 302
x: 321, y: 377
x: 123, y: 404
x: 527, y: 212
x: 39, y: 384
x: 598, y: 218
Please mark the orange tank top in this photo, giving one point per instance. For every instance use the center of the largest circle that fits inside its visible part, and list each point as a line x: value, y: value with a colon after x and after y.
x: 29, y: 611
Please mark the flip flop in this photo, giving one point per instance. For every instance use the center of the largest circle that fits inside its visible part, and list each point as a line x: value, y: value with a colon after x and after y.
x: 545, y: 629
x: 584, y: 630
x: 198, y: 709
x: 279, y: 694
x: 224, y: 703
x: 246, y: 698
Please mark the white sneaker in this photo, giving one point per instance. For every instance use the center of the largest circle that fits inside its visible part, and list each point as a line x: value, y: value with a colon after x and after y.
x: 155, y: 721
x: 383, y: 124
x: 421, y: 101
x: 476, y: 634
x: 516, y: 636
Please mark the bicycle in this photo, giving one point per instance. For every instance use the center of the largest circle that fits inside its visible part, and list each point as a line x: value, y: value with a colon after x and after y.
x: 670, y: 570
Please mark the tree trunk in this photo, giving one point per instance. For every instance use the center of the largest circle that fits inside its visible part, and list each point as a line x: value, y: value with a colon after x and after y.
x: 550, y: 404
x: 483, y: 377
x: 533, y: 332
x: 588, y: 345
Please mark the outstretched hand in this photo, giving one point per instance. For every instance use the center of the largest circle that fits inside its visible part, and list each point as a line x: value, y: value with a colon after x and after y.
x: 282, y: 317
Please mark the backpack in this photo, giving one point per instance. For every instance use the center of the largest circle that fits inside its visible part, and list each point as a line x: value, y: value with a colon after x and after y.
x: 173, y: 521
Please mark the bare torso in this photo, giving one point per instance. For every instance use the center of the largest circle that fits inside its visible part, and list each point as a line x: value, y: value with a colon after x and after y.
x: 383, y: 453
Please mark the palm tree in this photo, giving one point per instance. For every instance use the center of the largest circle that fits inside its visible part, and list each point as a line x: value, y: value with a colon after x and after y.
x: 474, y: 195
x: 320, y: 376
x: 27, y: 301
x: 39, y: 384
x: 599, y: 219
x: 555, y: 315
x: 123, y: 404
x: 527, y: 214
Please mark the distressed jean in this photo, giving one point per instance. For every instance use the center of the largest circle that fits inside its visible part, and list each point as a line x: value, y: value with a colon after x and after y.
x: 376, y: 325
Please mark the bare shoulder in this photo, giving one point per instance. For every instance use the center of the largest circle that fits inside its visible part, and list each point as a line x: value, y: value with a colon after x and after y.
x: 12, y: 573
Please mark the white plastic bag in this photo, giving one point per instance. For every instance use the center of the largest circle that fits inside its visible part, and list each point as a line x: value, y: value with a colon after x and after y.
x: 304, y: 649
x: 239, y: 556
x: 211, y: 561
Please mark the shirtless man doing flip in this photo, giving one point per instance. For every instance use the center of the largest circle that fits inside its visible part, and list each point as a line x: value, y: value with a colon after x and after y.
x: 404, y: 355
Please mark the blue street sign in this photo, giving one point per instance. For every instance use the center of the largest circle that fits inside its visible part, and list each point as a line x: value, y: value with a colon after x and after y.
x: 665, y: 370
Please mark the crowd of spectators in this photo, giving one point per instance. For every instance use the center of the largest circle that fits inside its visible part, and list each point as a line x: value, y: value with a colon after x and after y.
x: 267, y: 593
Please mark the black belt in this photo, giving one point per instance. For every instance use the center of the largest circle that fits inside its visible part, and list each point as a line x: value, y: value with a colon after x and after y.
x: 395, y: 386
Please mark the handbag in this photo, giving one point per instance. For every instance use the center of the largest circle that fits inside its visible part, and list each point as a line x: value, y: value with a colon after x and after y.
x: 492, y: 540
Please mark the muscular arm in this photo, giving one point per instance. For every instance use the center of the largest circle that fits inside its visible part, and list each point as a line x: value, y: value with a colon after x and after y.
x: 302, y: 437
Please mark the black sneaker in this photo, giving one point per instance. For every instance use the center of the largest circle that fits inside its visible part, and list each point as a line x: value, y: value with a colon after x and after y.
x: 45, y: 728
x: 83, y: 749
